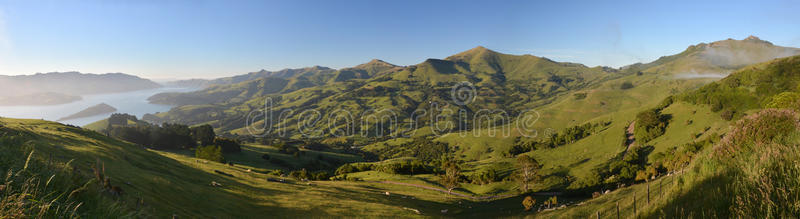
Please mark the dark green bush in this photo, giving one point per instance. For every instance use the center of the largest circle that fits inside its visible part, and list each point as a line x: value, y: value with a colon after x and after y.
x: 626, y: 85
x: 649, y: 125
x: 211, y: 152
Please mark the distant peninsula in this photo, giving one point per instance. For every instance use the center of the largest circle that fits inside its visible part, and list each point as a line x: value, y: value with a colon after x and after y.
x: 98, y: 109
x: 65, y: 87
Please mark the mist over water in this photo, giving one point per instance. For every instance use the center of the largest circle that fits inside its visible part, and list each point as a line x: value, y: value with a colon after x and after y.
x: 134, y: 103
x: 700, y: 76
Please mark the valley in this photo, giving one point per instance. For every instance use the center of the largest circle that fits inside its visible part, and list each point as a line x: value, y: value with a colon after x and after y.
x: 470, y: 135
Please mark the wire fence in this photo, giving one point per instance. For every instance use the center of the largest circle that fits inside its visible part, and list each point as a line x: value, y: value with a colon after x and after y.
x: 634, y: 200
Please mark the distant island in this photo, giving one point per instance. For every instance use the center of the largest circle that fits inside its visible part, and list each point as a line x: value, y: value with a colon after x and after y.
x: 64, y: 87
x: 98, y: 109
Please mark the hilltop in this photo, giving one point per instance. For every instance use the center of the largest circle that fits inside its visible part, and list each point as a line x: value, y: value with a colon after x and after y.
x: 507, y: 82
x: 716, y: 59
x: 511, y: 83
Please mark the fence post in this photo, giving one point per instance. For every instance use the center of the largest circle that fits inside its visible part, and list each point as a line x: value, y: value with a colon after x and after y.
x: 617, y: 209
x: 598, y: 214
x: 634, y: 203
x: 648, y: 193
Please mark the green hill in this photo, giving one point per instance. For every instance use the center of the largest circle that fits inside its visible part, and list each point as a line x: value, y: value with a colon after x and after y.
x: 605, y: 140
x: 716, y: 58
x: 165, y: 184
x: 748, y: 172
x: 505, y: 82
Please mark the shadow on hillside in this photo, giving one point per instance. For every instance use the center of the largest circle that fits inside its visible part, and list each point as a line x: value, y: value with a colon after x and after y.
x: 706, y: 198
x: 166, y: 185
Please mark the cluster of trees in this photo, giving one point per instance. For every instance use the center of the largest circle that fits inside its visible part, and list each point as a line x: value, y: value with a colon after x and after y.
x: 227, y: 145
x: 625, y: 168
x: 650, y: 124
x: 409, y: 167
x: 211, y: 152
x: 353, y: 168
x: 677, y: 158
x: 484, y: 176
x: 723, y: 96
x: 404, y: 167
x: 166, y: 136
x: 304, y: 174
x: 564, y: 137
x: 172, y: 136
x: 420, y: 148
x: 203, y: 134
x: 285, y: 148
x: 121, y: 119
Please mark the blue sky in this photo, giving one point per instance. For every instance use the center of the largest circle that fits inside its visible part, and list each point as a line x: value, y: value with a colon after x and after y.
x: 204, y: 39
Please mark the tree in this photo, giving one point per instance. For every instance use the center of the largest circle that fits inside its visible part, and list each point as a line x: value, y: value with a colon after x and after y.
x: 452, y: 173
x: 528, y: 203
x: 527, y: 171
x: 228, y: 145
x: 650, y: 124
x: 203, y: 134
x: 551, y: 202
x: 212, y: 153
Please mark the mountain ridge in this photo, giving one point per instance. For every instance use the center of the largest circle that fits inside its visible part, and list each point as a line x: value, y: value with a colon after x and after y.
x: 68, y: 85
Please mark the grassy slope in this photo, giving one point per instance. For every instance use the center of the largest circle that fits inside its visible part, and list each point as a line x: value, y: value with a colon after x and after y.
x: 173, y: 183
x: 701, y: 184
x: 176, y: 183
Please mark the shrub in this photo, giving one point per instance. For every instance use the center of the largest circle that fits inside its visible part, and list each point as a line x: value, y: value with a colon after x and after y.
x: 626, y: 85
x: 484, y: 177
x: 790, y: 100
x: 275, y: 172
x: 579, y: 96
x: 761, y: 155
x: 726, y: 115
x: 212, y: 153
x: 299, y: 174
x: 758, y: 129
x: 528, y: 203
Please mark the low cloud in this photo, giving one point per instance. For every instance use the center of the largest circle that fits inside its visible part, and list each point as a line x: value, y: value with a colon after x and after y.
x: 700, y: 75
